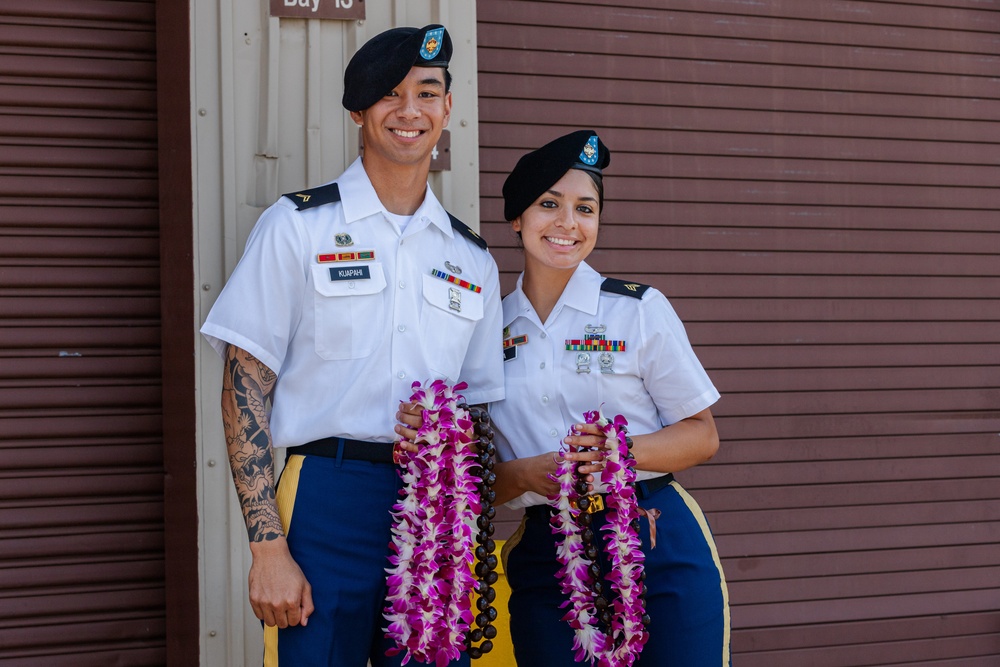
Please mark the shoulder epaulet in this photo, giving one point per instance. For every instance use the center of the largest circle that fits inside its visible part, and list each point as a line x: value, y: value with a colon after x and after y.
x: 467, y: 232
x: 324, y: 194
x: 621, y: 287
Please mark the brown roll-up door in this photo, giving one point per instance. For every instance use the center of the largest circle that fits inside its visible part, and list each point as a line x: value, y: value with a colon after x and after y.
x: 816, y: 187
x: 81, y: 480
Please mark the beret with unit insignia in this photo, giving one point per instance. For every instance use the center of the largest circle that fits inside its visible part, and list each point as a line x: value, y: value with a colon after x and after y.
x: 616, y: 286
x: 467, y: 232
x: 540, y: 169
x: 385, y: 60
x: 324, y: 194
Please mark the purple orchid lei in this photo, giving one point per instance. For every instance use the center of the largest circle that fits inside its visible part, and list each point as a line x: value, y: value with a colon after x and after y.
x: 626, y: 634
x: 427, y: 605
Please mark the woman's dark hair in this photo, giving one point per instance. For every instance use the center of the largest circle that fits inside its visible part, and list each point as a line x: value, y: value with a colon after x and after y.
x: 598, y: 180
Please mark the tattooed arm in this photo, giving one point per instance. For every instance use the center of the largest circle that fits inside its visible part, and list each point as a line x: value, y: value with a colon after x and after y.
x: 279, y: 592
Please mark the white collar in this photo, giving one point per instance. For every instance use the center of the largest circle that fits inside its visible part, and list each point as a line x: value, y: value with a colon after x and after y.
x: 359, y: 201
x: 582, y: 293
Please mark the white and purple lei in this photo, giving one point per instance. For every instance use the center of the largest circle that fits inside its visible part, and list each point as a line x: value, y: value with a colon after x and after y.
x: 427, y: 605
x: 621, y: 645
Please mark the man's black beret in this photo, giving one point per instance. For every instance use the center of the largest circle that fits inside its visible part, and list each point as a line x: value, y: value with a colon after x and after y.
x: 385, y: 60
x: 539, y: 170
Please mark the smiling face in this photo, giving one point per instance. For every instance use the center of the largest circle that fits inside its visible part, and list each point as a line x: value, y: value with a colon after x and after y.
x: 559, y: 229
x: 404, y: 126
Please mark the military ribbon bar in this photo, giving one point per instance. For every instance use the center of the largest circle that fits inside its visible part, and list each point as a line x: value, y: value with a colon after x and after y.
x: 595, y: 345
x: 456, y: 281
x: 356, y: 256
x: 516, y: 340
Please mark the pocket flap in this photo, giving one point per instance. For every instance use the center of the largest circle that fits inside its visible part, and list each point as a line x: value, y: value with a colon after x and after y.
x: 469, y: 304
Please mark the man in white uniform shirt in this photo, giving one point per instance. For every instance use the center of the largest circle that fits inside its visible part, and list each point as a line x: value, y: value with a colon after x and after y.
x: 347, y: 294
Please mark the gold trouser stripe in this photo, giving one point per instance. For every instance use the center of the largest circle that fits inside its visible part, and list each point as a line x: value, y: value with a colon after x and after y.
x: 285, y: 499
x: 511, y: 542
x: 707, y: 533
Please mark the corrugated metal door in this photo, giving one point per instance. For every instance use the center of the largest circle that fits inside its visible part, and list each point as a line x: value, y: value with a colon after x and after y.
x: 815, y: 187
x: 81, y: 482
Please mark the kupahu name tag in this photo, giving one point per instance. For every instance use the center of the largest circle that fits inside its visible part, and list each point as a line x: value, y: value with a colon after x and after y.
x: 350, y: 273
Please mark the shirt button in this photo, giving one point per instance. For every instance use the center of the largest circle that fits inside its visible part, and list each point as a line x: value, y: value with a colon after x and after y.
x: 545, y: 399
x: 401, y: 327
x: 544, y: 335
x: 541, y: 365
x: 351, y: 284
x: 553, y: 433
x: 402, y: 285
x: 401, y: 375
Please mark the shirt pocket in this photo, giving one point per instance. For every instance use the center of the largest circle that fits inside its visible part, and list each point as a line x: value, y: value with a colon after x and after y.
x: 349, y: 314
x: 447, y: 321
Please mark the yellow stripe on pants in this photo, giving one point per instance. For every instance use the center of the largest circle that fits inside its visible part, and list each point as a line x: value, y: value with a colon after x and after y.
x: 285, y: 499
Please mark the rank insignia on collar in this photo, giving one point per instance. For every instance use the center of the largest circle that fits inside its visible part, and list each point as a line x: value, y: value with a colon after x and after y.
x: 432, y: 43
x: 588, y: 155
x: 343, y: 240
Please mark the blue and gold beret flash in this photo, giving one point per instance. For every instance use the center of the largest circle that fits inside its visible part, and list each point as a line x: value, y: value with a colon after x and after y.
x: 385, y: 60
x: 539, y: 170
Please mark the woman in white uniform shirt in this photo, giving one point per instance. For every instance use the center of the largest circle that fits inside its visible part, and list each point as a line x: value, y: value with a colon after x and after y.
x: 574, y: 342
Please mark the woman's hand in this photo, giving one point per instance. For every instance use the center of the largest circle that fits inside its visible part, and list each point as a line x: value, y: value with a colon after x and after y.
x: 591, y: 437
x: 536, y: 473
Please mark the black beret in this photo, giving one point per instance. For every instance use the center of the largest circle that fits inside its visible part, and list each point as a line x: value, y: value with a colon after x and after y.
x: 385, y: 60
x: 539, y: 170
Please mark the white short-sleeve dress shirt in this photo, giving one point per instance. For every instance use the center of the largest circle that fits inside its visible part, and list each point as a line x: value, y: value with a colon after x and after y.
x: 656, y: 381
x: 348, y: 338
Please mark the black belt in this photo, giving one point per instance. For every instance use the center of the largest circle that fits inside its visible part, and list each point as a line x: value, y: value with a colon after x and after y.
x: 346, y: 448
x: 644, y: 489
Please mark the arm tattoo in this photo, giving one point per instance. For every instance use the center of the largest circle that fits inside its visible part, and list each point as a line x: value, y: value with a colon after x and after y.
x: 246, y: 385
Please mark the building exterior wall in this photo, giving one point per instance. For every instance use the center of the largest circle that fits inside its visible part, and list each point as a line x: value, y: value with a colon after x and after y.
x: 82, y: 567
x: 814, y: 185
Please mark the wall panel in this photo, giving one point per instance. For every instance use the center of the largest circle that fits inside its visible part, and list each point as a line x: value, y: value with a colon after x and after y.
x: 815, y: 188
x: 81, y: 458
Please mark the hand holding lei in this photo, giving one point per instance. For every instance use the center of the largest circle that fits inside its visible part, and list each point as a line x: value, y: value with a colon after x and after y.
x: 612, y: 636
